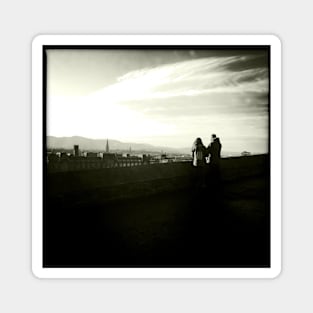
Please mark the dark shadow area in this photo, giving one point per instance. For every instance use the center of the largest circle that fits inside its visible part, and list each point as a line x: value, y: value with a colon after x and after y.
x: 224, y: 224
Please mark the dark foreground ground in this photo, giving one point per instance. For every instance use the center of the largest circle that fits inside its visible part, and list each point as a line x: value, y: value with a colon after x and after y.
x: 226, y: 224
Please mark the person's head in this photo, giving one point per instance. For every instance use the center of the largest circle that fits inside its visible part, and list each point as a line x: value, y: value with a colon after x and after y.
x: 198, y: 141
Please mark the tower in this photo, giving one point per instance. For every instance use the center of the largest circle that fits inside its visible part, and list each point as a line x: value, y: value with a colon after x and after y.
x: 107, y: 149
x: 76, y: 150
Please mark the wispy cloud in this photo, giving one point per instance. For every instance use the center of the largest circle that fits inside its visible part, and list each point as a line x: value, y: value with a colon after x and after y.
x: 173, y: 103
x: 186, y: 78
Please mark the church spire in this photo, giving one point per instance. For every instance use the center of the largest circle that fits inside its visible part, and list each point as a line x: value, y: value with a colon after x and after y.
x: 107, y: 149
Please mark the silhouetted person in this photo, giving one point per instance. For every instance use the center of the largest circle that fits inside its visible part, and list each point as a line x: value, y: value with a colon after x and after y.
x: 199, y: 152
x: 214, y: 151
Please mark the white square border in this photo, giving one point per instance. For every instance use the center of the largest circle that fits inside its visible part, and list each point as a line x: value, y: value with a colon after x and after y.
x: 275, y: 121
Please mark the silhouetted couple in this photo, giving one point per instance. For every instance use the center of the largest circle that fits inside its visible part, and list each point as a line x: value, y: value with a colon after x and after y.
x: 202, y: 155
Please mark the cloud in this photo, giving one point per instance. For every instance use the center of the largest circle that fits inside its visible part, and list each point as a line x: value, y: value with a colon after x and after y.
x: 186, y: 78
x: 174, y: 103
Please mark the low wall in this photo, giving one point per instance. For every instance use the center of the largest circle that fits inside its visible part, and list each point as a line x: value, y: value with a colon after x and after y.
x: 86, y: 164
x: 120, y: 182
x: 115, y: 183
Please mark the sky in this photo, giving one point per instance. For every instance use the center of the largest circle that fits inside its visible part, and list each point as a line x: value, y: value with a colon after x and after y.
x: 160, y: 97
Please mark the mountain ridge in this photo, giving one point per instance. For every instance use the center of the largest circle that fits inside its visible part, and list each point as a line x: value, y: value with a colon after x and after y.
x: 84, y: 143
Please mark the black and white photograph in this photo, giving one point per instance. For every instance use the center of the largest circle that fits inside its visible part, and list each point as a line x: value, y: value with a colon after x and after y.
x: 156, y: 156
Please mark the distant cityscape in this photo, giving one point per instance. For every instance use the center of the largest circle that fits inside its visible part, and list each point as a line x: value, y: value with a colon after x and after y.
x: 61, y: 160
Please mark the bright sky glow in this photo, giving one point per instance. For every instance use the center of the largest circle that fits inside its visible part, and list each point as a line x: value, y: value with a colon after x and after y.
x: 160, y: 97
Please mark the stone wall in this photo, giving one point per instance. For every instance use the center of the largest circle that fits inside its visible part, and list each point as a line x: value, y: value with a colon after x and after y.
x: 106, y: 184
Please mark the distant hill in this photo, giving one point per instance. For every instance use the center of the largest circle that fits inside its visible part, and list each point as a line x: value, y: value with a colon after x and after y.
x: 100, y: 144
